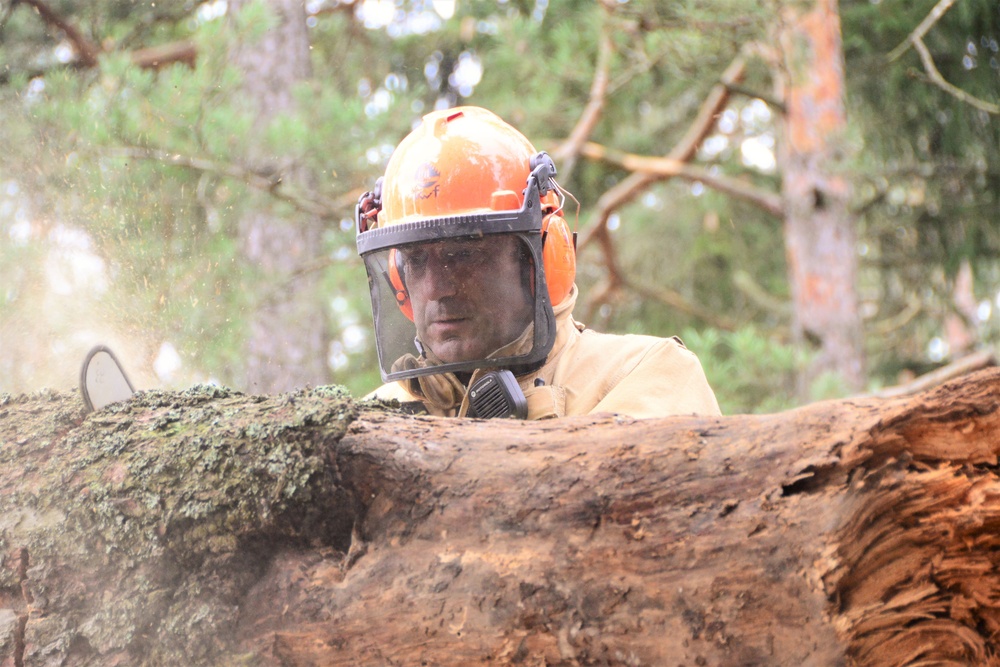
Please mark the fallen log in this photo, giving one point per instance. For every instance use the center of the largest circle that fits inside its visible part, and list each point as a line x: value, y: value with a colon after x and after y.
x: 209, y: 527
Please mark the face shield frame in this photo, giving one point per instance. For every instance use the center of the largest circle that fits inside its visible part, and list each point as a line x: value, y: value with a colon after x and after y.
x: 374, y: 246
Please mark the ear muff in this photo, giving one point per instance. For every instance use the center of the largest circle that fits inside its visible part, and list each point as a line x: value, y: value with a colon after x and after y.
x: 398, y: 283
x: 558, y: 257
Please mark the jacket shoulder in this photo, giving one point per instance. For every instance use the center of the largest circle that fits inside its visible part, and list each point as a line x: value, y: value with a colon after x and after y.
x: 637, y: 375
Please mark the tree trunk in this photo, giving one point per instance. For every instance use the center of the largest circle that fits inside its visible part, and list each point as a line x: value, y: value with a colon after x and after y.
x: 287, y: 340
x: 214, y: 528
x: 820, y: 238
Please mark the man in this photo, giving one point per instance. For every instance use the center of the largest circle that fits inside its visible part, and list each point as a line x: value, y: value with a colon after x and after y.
x: 471, y: 269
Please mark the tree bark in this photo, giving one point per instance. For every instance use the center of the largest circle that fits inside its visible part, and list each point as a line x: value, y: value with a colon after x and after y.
x: 210, y: 527
x: 820, y: 238
x: 287, y: 338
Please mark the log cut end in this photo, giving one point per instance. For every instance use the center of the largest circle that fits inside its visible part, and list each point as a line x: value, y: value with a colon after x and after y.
x: 914, y: 574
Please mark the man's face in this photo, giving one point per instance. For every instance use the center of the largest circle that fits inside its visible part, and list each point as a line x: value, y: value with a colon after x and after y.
x: 469, y: 296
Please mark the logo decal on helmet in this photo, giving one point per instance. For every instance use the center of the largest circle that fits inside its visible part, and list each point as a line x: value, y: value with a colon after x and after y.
x: 425, y: 183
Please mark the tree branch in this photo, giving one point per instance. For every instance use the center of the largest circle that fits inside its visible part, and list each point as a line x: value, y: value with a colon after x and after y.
x: 675, y: 300
x: 155, y: 57
x: 86, y: 50
x: 270, y: 183
x: 918, y: 34
x: 657, y: 169
x: 566, y: 154
x: 916, y: 40
x: 671, y: 298
x: 972, y: 362
x: 703, y: 123
x: 745, y: 283
x: 665, y: 167
x: 938, y: 80
x: 7, y: 14
x: 770, y: 100
x: 887, y: 326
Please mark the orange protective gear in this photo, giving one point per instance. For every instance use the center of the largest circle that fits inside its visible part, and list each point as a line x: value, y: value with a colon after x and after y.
x: 465, y: 161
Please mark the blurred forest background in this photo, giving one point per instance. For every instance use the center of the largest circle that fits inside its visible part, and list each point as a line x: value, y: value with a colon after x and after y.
x: 807, y: 192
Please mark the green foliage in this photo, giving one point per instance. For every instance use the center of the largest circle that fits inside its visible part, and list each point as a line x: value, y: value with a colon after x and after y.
x: 927, y: 166
x: 254, y: 20
x: 750, y: 371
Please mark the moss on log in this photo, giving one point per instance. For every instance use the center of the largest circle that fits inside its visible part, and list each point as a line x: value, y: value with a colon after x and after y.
x: 129, y: 536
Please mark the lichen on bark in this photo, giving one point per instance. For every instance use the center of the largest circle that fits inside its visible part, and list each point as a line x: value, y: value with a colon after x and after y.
x: 168, y: 505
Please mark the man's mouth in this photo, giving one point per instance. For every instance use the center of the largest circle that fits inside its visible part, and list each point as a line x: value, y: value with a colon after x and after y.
x: 448, y: 324
x: 447, y: 321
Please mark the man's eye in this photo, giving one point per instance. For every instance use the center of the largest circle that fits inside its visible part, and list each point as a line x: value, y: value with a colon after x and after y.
x: 467, y: 256
x: 415, y: 261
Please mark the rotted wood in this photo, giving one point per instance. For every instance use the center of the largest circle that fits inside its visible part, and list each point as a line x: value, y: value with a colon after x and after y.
x: 210, y: 527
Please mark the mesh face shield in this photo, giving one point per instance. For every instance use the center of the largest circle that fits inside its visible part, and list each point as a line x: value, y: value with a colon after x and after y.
x: 459, y: 293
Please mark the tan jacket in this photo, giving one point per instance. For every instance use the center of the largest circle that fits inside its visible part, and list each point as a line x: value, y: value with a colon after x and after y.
x: 588, y: 372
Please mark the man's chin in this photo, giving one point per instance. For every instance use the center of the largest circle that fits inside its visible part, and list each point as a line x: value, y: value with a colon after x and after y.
x: 455, y: 351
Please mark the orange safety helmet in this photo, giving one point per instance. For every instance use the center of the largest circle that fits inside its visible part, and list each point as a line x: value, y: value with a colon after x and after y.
x: 461, y: 161
x: 463, y: 173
